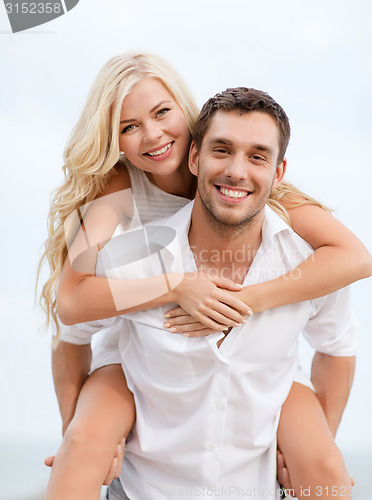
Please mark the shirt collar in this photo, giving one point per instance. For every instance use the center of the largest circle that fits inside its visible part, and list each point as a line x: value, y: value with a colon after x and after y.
x: 272, y: 225
x: 181, y: 220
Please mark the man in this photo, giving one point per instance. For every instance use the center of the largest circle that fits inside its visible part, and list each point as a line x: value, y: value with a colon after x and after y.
x: 208, y: 408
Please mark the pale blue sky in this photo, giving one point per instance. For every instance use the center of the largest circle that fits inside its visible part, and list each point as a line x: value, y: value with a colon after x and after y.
x: 314, y: 57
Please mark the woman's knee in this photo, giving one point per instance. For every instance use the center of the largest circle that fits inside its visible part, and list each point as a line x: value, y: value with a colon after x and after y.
x: 87, y: 438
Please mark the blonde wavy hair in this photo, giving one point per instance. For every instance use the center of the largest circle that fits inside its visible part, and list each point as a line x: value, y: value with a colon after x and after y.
x: 293, y: 197
x: 92, y: 152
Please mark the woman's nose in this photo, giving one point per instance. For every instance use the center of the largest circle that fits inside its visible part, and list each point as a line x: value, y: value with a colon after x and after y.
x: 152, y: 132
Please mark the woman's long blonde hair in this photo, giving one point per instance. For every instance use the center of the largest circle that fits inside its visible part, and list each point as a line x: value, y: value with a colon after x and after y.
x: 93, y: 151
x: 293, y: 198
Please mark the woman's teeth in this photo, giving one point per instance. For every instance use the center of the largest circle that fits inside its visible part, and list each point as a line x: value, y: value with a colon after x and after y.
x: 161, y: 151
x: 233, y: 194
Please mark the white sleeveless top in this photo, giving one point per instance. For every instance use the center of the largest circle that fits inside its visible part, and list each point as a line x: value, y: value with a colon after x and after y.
x: 150, y: 203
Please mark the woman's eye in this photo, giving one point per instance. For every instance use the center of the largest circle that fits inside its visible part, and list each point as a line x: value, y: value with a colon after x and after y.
x: 127, y: 128
x: 162, y: 112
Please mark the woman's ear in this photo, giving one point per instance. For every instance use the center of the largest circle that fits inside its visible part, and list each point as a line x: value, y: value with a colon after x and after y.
x: 280, y: 172
x: 193, y: 159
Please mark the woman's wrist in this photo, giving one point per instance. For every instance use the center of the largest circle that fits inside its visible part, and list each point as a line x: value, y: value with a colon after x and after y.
x: 173, y: 281
x: 254, y: 297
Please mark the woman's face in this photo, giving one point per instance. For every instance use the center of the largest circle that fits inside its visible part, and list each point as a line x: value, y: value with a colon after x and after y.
x: 153, y: 131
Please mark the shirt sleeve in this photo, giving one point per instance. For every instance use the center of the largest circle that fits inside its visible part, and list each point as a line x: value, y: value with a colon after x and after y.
x: 333, y: 328
x: 81, y: 333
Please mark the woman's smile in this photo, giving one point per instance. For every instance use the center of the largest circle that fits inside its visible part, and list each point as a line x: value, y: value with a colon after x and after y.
x: 161, y: 152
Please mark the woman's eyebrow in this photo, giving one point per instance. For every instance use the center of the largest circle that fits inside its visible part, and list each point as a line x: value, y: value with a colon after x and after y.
x: 160, y: 104
x: 151, y: 111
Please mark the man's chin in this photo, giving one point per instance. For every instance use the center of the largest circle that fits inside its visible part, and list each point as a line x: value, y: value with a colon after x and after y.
x: 233, y: 222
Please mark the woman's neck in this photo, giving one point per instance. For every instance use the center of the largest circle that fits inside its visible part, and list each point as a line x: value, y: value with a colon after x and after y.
x: 180, y: 183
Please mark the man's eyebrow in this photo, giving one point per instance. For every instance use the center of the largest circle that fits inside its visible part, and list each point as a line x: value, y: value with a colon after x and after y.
x: 220, y: 140
x: 262, y: 147
x: 151, y: 111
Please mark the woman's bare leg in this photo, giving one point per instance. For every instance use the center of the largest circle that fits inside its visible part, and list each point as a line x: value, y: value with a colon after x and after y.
x: 315, y: 464
x: 105, y: 413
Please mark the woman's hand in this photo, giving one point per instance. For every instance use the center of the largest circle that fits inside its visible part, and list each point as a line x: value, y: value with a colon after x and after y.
x: 211, y: 301
x: 179, y: 321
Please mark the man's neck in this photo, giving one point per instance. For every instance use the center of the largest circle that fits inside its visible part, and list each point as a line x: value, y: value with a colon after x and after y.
x: 224, y: 251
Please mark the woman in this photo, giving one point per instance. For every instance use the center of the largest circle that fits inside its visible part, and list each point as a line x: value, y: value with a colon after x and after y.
x: 157, y: 117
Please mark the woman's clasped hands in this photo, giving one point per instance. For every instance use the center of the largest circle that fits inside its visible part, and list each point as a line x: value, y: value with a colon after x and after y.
x: 207, y: 304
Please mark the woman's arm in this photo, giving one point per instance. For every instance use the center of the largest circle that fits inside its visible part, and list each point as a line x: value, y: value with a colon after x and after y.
x: 339, y: 259
x: 82, y: 296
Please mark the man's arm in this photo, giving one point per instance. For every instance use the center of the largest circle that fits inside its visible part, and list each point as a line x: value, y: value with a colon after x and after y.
x: 70, y: 367
x: 332, y: 377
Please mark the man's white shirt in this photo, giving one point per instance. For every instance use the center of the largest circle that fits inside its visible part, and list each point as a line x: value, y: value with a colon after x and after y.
x: 206, y: 416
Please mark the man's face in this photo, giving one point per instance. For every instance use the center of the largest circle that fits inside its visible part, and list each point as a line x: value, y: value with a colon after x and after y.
x: 237, y: 165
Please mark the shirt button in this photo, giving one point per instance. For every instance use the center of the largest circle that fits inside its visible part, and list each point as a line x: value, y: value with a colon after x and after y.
x: 219, y: 404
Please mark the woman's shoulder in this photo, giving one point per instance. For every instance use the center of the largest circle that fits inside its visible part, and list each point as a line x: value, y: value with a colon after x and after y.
x: 118, y: 179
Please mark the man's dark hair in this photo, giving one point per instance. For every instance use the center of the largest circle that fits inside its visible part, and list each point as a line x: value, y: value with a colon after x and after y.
x: 244, y: 100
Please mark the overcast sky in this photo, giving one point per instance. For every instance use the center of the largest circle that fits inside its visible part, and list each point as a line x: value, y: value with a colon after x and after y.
x: 314, y: 57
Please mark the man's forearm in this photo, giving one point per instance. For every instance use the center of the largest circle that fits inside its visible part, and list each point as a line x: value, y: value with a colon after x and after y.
x: 332, y: 378
x: 70, y: 366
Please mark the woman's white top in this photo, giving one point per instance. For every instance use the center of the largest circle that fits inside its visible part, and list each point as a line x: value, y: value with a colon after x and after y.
x: 150, y: 203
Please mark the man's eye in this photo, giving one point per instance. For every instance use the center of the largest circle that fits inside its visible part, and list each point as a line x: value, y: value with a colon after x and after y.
x: 221, y: 150
x: 258, y: 158
x: 128, y: 128
x: 162, y: 112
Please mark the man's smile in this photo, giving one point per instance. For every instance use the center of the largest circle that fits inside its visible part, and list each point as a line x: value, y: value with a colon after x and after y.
x: 231, y: 194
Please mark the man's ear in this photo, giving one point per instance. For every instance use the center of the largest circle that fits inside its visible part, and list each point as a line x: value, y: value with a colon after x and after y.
x: 193, y: 159
x: 280, y: 172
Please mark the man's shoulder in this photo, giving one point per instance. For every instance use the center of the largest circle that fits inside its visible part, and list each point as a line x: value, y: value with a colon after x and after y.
x: 278, y: 236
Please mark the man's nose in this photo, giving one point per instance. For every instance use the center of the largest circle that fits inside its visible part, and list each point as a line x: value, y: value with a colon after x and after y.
x: 237, y: 168
x: 152, y: 132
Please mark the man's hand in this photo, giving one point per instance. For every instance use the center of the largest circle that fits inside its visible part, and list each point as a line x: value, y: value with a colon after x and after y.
x: 282, y: 472
x: 117, y: 463
x: 115, y: 468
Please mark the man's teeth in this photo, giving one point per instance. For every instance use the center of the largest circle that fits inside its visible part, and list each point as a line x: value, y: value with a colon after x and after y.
x: 161, y: 151
x: 233, y: 194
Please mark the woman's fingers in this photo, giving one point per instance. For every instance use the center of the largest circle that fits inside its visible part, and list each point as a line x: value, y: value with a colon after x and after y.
x: 226, y: 283
x: 198, y: 333
x: 49, y: 461
x: 221, y: 316
x: 233, y: 303
x: 189, y: 328
x: 232, y: 316
x: 181, y: 324
x: 185, y: 319
x: 177, y: 311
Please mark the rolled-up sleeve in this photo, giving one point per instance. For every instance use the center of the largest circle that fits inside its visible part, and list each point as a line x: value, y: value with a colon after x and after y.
x: 81, y: 333
x: 333, y: 328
